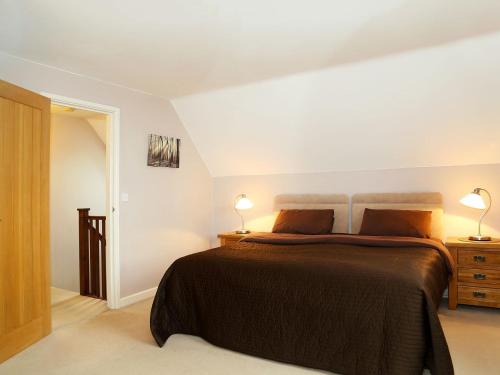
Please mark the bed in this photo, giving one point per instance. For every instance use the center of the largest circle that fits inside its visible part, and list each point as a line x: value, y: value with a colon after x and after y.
x: 348, y: 304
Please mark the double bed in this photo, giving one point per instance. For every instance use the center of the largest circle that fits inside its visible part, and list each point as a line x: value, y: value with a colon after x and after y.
x: 350, y: 304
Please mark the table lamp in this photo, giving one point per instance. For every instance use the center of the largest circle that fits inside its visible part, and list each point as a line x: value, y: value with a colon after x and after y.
x: 475, y: 200
x: 241, y: 202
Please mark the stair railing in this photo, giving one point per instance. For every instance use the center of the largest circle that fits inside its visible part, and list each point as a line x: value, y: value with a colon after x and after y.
x: 92, y: 232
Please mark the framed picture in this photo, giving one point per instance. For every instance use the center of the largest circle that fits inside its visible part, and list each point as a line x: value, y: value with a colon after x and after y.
x: 163, y: 151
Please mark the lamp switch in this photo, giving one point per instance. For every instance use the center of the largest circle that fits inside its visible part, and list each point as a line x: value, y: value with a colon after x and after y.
x: 124, y: 197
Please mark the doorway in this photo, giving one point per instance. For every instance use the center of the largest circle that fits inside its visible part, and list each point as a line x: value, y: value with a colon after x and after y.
x: 78, y: 122
x: 78, y: 142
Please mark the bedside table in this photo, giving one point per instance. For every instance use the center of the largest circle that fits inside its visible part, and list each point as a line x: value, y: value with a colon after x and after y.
x: 476, y: 280
x: 230, y: 238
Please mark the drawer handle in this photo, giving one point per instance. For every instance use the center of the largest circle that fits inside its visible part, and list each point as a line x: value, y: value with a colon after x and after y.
x: 479, y: 294
x: 479, y: 276
x: 479, y: 258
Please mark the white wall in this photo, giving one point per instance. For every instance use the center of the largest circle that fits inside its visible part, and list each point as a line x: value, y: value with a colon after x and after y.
x: 430, y: 107
x: 77, y: 180
x: 452, y: 182
x: 168, y: 214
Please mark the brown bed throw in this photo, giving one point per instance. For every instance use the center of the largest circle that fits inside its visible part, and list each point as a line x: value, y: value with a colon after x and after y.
x: 342, y: 303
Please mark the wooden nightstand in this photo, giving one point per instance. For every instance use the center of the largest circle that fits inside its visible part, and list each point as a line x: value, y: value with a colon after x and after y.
x: 476, y: 281
x: 229, y: 238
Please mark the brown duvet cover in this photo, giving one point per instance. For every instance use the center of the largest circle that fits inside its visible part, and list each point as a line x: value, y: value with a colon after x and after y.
x: 343, y: 303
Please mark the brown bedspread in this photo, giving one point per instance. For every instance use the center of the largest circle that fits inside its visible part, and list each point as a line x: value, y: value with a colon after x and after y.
x: 343, y: 303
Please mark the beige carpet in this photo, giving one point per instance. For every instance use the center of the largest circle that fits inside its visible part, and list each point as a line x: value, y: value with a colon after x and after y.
x: 59, y: 295
x: 119, y: 342
x: 75, y: 310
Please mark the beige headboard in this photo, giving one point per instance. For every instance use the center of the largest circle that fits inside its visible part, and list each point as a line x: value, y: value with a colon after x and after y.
x: 338, y: 202
x: 399, y: 201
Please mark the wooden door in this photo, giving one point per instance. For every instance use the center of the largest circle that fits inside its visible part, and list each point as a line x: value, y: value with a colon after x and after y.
x: 24, y: 219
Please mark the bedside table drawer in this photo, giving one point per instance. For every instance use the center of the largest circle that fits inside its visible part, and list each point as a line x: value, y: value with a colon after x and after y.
x: 230, y: 238
x: 473, y: 257
x: 479, y: 296
x: 228, y: 242
x: 479, y: 276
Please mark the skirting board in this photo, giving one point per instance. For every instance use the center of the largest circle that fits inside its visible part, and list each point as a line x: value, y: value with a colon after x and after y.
x: 137, y: 297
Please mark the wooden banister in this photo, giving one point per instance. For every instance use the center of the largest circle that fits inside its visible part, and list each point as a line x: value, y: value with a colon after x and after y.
x: 92, y: 233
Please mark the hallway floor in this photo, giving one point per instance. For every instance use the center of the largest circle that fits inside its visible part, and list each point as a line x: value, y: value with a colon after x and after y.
x: 70, y: 307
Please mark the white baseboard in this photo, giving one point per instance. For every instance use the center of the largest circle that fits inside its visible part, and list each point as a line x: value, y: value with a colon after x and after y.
x: 137, y: 297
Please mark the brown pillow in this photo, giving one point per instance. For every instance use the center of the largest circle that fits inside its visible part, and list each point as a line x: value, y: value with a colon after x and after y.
x: 304, y: 222
x: 405, y: 223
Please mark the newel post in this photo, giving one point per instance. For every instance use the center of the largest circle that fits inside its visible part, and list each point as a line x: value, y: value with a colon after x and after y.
x: 83, y: 214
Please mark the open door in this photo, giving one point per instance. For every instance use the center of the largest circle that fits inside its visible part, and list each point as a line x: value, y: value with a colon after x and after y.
x: 24, y: 219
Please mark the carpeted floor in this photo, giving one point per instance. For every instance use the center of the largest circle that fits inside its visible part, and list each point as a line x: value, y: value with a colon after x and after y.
x: 76, y: 309
x: 70, y: 307
x: 59, y: 295
x: 119, y: 342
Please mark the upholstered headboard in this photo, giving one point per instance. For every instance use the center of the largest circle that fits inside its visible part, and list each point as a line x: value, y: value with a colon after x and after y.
x: 399, y: 201
x: 338, y: 202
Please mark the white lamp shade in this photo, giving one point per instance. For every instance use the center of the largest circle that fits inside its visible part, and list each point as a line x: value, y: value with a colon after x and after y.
x: 243, y: 203
x: 473, y: 200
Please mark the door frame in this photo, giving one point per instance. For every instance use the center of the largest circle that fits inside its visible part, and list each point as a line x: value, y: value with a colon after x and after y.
x: 113, y: 189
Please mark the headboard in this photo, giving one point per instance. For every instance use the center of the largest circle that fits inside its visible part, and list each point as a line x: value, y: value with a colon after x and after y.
x: 338, y: 202
x: 399, y: 201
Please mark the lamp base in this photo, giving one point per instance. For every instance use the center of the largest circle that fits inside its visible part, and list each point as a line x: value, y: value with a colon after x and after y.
x: 242, y: 231
x: 479, y: 238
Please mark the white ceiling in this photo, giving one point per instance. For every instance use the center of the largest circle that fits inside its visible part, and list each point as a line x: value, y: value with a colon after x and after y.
x: 288, y: 86
x: 172, y: 48
x: 73, y: 112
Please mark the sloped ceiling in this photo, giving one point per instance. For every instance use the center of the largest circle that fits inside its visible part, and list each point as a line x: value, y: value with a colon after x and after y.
x: 431, y: 107
x: 172, y: 48
x: 280, y: 86
x: 100, y: 128
x: 97, y: 121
